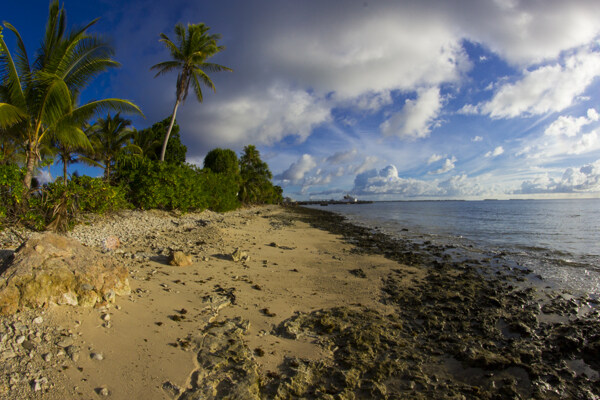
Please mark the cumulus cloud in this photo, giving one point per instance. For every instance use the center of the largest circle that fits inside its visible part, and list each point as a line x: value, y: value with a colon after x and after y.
x: 266, y: 118
x: 477, y: 139
x: 549, y: 88
x: 571, y: 126
x: 584, y: 179
x: 417, y: 117
x: 387, y: 182
x: 446, y: 167
x: 495, y: 153
x: 434, y: 158
x: 296, y: 172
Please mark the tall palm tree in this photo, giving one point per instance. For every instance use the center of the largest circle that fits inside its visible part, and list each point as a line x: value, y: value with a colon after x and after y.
x: 189, y: 54
x: 41, y: 97
x: 109, y: 136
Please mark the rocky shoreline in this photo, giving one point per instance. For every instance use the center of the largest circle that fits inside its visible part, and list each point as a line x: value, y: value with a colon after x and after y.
x: 421, y: 325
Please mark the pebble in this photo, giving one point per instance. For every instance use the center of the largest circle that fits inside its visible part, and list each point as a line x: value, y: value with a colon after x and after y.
x: 65, y: 342
x: 97, y: 356
x: 103, y: 391
x: 38, y: 320
x: 20, y: 339
x: 106, y: 317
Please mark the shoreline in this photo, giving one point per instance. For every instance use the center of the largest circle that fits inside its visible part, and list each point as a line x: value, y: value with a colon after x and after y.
x: 322, y: 308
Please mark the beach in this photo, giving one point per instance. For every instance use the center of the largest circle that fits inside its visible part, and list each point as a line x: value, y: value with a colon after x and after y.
x: 284, y: 302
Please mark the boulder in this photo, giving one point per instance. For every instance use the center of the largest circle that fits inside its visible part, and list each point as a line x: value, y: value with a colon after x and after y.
x: 180, y: 259
x: 51, y: 268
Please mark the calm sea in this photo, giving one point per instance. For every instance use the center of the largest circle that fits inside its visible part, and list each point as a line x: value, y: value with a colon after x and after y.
x: 557, y: 239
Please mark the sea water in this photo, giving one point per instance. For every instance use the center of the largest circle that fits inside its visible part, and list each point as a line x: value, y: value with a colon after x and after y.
x: 558, y: 240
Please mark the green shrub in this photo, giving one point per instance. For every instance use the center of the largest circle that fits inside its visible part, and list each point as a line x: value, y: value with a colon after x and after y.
x: 11, y: 190
x: 221, y: 189
x: 162, y: 185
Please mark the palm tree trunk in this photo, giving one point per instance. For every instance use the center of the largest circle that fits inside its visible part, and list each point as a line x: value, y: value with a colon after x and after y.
x: 164, y: 146
x: 64, y: 171
x: 30, y: 165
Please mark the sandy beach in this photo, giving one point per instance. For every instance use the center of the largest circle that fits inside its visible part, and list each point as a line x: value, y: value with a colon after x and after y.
x: 304, y: 313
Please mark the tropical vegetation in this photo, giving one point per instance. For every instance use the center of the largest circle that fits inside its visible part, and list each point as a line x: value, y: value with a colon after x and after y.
x: 42, y: 121
x: 189, y: 54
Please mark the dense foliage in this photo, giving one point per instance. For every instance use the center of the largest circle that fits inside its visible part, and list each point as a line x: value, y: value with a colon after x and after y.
x: 222, y: 161
x: 149, y: 140
x: 169, y: 186
x: 256, y: 186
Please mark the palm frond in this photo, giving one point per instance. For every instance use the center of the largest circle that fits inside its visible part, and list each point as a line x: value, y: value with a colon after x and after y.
x: 22, y: 58
x: 165, y: 66
x: 86, y: 111
x: 211, y: 67
x: 10, y: 115
x: 10, y: 77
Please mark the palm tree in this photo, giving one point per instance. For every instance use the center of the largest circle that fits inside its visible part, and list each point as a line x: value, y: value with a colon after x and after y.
x: 41, y: 97
x: 194, y: 46
x: 110, y: 136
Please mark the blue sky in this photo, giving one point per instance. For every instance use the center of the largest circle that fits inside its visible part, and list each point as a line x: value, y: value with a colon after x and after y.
x: 385, y: 100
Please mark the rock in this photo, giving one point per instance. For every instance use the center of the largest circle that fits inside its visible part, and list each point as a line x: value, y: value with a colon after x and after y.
x: 47, y: 357
x: 227, y: 368
x: 180, y: 259
x: 50, y: 268
x: 106, y: 317
x: 239, y: 255
x: 67, y: 341
x: 102, y: 391
x: 112, y: 243
x: 73, y: 353
x: 359, y: 273
x: 97, y: 356
x: 20, y: 339
x: 172, y: 389
x: 38, y: 320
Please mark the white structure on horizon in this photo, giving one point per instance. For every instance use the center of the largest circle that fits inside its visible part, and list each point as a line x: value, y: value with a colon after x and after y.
x: 350, y: 199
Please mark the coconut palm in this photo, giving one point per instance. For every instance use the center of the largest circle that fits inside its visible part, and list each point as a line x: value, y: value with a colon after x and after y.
x: 109, y: 137
x: 41, y: 97
x: 189, y: 54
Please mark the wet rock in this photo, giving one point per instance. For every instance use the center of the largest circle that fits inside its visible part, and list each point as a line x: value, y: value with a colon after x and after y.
x: 51, y: 268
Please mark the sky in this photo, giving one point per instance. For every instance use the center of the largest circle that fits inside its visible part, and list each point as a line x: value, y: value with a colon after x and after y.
x: 385, y: 100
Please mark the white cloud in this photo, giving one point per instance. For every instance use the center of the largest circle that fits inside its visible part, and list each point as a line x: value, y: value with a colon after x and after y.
x: 386, y: 182
x: 258, y: 117
x: 477, y: 139
x: 417, y: 117
x: 584, y: 179
x: 434, y: 158
x: 446, y: 167
x: 368, y: 163
x: 296, y: 172
x: 571, y: 126
x: 44, y: 176
x: 496, y: 152
x: 342, y: 156
x: 549, y: 88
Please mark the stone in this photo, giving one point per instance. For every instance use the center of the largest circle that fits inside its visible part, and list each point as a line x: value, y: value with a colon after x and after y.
x: 106, y: 317
x: 239, y: 255
x: 97, y: 356
x: 66, y: 341
x: 38, y: 320
x: 180, y: 259
x: 50, y: 268
x: 103, y: 391
x: 112, y: 243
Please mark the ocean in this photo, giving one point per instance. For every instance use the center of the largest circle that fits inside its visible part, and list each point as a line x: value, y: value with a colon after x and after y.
x: 559, y: 240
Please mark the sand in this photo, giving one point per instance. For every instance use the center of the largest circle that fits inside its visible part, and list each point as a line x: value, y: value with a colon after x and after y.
x: 292, y: 267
